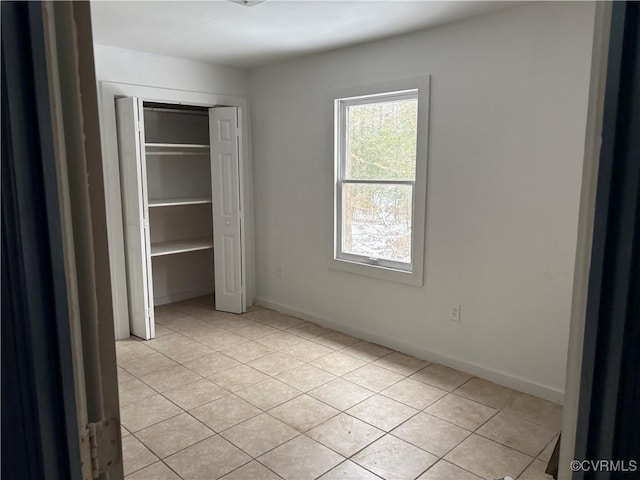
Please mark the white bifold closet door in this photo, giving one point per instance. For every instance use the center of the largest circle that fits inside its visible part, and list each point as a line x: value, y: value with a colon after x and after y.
x: 227, y: 214
x: 135, y: 210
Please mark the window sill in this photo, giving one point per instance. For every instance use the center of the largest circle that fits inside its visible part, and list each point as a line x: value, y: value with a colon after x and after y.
x: 414, y: 278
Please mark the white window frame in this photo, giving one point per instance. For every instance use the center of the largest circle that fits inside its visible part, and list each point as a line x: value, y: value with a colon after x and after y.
x: 412, y: 273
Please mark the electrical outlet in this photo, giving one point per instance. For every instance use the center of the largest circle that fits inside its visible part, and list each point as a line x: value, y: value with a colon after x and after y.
x: 455, y: 313
x: 279, y: 271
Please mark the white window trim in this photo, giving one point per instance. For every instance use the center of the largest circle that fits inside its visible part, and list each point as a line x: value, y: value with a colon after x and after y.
x: 353, y: 263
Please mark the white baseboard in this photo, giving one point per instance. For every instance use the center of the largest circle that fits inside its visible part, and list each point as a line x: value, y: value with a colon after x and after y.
x: 505, y: 379
x: 176, y: 297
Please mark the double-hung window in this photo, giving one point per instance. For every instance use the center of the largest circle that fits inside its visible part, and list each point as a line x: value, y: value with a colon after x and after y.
x: 380, y: 184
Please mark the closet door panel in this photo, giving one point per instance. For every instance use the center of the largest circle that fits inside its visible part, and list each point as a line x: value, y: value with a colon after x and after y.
x: 134, y: 196
x: 225, y: 181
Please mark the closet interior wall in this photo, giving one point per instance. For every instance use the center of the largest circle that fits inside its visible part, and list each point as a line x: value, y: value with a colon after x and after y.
x: 179, y: 196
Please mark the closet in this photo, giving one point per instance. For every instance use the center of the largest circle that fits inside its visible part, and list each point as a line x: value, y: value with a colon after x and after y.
x: 180, y: 181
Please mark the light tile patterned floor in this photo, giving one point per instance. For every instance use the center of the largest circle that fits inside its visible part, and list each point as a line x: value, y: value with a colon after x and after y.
x: 267, y: 396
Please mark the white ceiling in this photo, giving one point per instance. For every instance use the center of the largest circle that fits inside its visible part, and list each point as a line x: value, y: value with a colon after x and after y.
x: 226, y: 33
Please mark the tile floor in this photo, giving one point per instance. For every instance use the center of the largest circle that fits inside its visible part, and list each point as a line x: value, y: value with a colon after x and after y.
x: 269, y: 396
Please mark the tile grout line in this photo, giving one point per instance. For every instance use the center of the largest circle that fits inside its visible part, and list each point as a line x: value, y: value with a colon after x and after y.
x: 176, y: 405
x: 476, y: 432
x: 340, y: 411
x: 267, y: 412
x: 367, y: 362
x: 244, y: 464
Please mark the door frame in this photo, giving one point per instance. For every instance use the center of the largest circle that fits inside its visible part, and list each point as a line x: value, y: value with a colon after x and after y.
x: 609, y: 390
x: 109, y: 91
x: 601, y: 387
x: 586, y: 220
x: 43, y: 397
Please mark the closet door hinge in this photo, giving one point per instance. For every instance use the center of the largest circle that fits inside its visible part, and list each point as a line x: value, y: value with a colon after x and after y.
x: 138, y: 126
x: 100, y: 448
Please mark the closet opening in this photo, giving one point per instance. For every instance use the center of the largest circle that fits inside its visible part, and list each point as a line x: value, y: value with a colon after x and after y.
x: 180, y: 180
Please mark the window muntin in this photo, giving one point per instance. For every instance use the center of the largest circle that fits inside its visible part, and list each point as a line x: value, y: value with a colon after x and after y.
x: 376, y: 172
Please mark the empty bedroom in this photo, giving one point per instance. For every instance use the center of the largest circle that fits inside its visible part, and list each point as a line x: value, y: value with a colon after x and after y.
x: 342, y: 235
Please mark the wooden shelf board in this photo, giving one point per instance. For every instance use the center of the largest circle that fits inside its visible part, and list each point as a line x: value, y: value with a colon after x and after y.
x: 186, y: 146
x: 176, y: 149
x: 181, y: 246
x: 171, y: 202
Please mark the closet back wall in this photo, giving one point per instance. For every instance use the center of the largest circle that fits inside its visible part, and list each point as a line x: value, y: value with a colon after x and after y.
x: 507, y: 131
x: 186, y: 275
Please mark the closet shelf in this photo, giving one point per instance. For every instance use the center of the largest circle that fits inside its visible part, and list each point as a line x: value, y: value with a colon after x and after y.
x: 155, y: 149
x: 172, y: 202
x: 181, y: 246
x: 186, y: 146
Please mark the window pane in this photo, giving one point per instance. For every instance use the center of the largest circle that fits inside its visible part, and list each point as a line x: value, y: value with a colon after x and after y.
x: 376, y: 221
x: 381, y: 141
